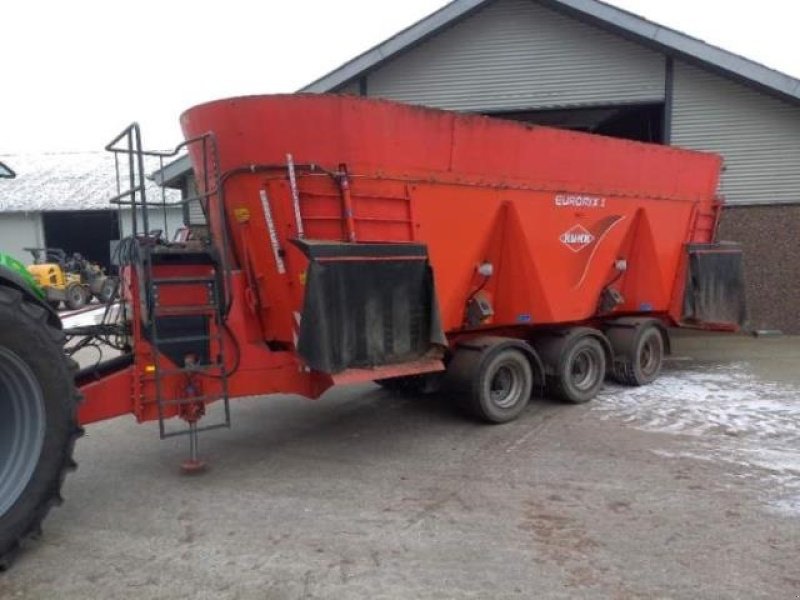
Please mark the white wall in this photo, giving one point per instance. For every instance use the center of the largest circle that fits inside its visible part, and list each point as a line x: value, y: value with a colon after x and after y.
x: 18, y: 231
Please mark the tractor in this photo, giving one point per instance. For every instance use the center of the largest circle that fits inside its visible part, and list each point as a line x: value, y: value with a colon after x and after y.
x: 70, y: 279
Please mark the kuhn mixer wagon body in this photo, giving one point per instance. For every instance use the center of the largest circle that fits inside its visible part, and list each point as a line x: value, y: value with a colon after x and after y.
x: 354, y: 240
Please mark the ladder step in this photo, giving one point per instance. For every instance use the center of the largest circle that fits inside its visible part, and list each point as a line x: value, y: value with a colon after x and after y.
x: 186, y: 339
x: 170, y: 434
x: 185, y: 401
x: 191, y: 309
x: 195, y: 279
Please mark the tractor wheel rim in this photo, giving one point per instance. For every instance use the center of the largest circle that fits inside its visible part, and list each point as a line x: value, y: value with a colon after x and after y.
x: 506, y: 386
x: 584, y: 370
x: 22, y: 427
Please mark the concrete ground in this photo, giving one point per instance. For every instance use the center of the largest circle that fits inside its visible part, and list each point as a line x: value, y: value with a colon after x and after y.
x: 689, y: 488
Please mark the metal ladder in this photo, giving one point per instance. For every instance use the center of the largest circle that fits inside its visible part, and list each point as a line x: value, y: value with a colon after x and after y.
x: 128, y: 147
x: 213, y: 308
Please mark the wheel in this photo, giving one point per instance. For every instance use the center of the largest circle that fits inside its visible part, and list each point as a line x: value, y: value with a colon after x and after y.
x: 641, y: 354
x: 38, y: 421
x: 107, y: 291
x: 493, y: 383
x: 578, y: 364
x: 77, y: 296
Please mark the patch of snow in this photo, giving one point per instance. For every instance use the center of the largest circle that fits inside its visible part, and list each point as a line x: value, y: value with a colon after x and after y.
x: 733, y: 416
x: 88, y: 317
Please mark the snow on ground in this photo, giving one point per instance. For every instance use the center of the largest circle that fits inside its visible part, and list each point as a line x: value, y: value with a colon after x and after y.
x: 87, y: 316
x: 732, y: 416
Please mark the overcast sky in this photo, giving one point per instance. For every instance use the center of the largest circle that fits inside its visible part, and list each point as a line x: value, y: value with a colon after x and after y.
x: 76, y: 72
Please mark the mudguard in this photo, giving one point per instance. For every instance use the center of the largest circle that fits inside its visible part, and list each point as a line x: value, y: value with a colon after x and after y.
x: 14, y: 274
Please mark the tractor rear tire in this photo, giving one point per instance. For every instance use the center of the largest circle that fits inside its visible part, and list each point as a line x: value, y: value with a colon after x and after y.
x: 77, y: 296
x: 38, y: 419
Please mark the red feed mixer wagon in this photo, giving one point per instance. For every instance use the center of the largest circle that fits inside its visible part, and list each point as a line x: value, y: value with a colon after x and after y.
x: 351, y: 240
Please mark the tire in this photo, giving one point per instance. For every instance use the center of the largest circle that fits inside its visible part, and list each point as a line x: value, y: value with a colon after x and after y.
x: 38, y: 419
x: 107, y: 291
x: 640, y: 352
x: 77, y: 296
x: 579, y: 367
x: 495, y: 385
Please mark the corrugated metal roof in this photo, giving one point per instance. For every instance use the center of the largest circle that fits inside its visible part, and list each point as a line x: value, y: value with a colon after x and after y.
x: 67, y: 181
x: 667, y: 40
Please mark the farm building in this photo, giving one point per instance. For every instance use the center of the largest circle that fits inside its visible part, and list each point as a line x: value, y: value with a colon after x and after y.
x: 62, y: 201
x: 585, y: 65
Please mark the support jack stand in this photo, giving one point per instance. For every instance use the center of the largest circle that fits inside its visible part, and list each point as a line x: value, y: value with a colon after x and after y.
x: 193, y: 465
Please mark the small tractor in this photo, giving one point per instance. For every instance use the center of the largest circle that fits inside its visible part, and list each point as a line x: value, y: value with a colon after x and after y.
x: 354, y: 240
x: 70, y: 279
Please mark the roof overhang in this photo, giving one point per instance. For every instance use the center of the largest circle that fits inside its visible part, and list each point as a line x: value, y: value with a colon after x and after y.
x: 173, y: 174
x: 664, y: 39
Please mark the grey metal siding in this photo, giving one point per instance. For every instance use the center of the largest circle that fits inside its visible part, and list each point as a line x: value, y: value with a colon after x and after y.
x: 758, y: 135
x: 194, y: 214
x: 18, y: 231
x: 517, y: 54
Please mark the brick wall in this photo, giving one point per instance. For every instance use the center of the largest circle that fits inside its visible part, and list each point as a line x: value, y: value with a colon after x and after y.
x: 770, y: 236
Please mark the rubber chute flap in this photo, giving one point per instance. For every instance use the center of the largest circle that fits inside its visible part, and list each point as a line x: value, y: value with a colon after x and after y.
x: 715, y: 286
x: 367, y: 305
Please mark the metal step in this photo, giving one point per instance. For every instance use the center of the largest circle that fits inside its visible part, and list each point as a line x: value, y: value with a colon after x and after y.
x: 185, y: 339
x: 184, y: 310
x: 171, y: 434
x: 193, y: 400
x: 189, y: 280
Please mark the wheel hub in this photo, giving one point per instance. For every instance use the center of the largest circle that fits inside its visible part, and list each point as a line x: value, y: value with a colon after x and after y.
x: 505, y: 387
x: 584, y: 370
x: 22, y: 427
x: 649, y: 358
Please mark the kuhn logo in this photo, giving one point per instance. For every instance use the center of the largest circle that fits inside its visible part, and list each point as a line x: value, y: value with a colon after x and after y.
x: 576, y: 238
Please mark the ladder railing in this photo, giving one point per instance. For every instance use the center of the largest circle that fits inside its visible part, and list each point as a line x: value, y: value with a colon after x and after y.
x: 127, y: 148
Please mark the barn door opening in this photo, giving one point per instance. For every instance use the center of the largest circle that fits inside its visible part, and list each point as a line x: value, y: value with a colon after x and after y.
x: 638, y: 122
x: 88, y: 232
